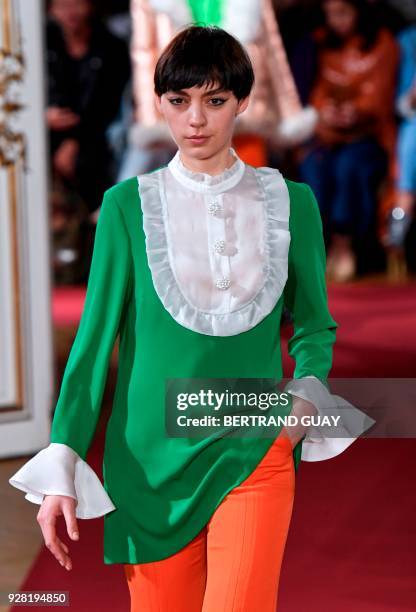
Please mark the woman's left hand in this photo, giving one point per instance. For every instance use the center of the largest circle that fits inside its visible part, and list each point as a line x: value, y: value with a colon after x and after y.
x: 300, y: 408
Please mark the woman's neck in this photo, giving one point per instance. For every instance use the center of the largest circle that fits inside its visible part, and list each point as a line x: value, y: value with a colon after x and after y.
x: 214, y: 165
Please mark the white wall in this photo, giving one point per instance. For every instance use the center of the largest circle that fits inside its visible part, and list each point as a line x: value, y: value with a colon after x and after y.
x: 26, y: 360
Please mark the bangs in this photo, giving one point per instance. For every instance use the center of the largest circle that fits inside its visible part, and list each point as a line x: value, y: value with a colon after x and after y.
x: 201, y: 56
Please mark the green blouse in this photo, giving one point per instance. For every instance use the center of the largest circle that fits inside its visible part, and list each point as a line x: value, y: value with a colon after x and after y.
x: 165, y: 489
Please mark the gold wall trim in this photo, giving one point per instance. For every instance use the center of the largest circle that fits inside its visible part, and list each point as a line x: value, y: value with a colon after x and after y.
x: 12, y: 154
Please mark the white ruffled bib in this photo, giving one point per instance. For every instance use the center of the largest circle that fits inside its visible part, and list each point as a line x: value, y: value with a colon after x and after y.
x: 217, y: 246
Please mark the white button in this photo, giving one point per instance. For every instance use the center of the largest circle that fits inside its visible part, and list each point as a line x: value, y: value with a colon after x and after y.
x: 219, y: 246
x: 223, y: 283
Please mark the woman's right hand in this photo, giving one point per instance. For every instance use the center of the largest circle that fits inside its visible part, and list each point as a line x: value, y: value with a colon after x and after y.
x: 58, y: 118
x: 52, y: 507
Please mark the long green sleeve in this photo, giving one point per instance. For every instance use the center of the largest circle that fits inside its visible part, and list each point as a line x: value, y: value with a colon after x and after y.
x: 305, y: 293
x: 83, y: 383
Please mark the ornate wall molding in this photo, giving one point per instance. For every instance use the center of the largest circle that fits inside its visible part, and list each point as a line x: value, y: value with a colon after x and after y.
x: 25, y: 319
x: 12, y: 145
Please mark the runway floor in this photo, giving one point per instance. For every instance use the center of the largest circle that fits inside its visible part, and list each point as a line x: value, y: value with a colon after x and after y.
x: 352, y: 541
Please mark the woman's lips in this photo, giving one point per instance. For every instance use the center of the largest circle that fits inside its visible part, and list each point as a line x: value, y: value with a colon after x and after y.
x: 197, y: 139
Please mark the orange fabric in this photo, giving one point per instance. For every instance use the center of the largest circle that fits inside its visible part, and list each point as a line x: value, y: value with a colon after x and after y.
x: 251, y: 149
x: 234, y: 562
x: 367, y: 79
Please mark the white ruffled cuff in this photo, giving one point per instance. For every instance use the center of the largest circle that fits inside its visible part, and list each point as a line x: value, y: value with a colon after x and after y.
x: 352, y: 423
x: 59, y: 470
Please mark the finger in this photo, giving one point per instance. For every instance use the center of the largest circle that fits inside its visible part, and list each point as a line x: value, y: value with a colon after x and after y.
x: 65, y: 547
x: 58, y: 126
x: 57, y: 549
x: 71, y: 521
x: 68, y: 115
x: 64, y: 123
x: 63, y: 553
x: 47, y: 526
x: 52, y: 542
x: 65, y: 111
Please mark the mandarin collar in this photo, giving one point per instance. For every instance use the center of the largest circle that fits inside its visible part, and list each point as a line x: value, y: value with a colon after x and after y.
x: 203, y: 182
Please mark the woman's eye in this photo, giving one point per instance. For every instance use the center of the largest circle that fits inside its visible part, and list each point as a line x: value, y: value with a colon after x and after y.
x: 220, y: 100
x: 174, y: 100
x: 213, y: 101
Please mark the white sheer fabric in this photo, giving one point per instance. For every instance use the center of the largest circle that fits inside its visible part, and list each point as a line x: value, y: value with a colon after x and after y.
x: 210, y: 241
x: 191, y: 228
x: 59, y: 470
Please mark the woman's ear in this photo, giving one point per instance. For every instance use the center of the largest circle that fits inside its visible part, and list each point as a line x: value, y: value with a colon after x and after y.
x: 158, y: 103
x: 242, y: 105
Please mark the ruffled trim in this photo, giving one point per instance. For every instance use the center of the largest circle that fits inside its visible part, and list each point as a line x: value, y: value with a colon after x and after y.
x: 316, y: 445
x: 202, y: 182
x: 276, y: 209
x: 59, y: 470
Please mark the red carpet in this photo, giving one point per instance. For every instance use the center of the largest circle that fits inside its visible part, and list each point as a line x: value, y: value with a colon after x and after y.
x: 352, y: 541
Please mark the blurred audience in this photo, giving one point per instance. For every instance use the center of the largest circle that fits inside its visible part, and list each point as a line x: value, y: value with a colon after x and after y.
x: 88, y: 68
x: 402, y: 212
x: 353, y: 148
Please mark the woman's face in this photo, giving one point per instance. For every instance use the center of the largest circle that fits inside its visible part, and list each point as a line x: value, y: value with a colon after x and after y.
x: 201, y: 111
x: 71, y: 14
x: 341, y: 17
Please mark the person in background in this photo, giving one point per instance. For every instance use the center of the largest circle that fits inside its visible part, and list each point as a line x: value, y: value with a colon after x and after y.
x: 88, y: 68
x: 297, y: 20
x: 353, y: 147
x: 406, y: 145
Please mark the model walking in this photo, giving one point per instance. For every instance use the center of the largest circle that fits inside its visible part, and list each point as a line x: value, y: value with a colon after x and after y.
x: 192, y: 265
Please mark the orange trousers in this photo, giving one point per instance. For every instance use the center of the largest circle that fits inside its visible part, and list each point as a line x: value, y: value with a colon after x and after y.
x: 234, y: 562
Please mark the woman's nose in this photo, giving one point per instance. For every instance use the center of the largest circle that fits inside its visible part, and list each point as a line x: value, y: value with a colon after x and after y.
x: 197, y: 116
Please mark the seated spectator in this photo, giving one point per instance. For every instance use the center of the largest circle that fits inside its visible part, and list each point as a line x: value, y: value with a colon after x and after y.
x: 354, y: 143
x: 88, y: 68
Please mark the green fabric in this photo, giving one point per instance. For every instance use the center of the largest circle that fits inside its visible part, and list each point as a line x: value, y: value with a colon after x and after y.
x: 208, y: 12
x: 166, y: 489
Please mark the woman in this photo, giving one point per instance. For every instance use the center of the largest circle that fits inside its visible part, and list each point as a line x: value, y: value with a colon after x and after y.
x: 355, y: 139
x: 192, y: 265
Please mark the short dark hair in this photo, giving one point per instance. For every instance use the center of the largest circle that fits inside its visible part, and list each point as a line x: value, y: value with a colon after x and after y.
x: 201, y: 55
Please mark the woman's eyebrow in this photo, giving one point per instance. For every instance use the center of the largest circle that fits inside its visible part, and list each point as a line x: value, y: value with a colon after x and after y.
x: 208, y: 93
x: 214, y: 91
